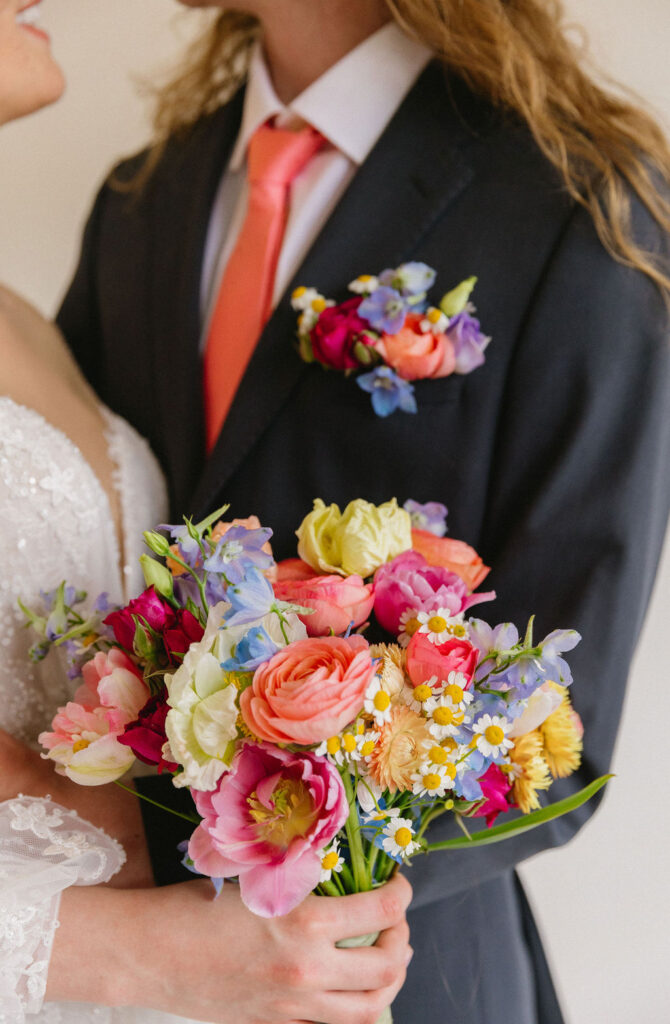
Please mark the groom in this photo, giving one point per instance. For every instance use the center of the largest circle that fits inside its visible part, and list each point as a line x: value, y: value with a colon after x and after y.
x: 552, y: 457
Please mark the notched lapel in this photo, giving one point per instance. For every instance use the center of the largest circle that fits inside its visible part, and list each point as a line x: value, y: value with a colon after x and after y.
x: 180, y: 217
x: 416, y: 169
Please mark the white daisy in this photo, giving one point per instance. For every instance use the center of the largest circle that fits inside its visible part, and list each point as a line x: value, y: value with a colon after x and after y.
x: 444, y: 717
x: 455, y: 690
x: 364, y: 284
x: 434, y: 321
x: 377, y: 702
x: 331, y: 861
x: 433, y: 780
x: 333, y: 749
x: 439, y: 626
x: 366, y: 744
x: 408, y: 625
x: 302, y: 298
x: 491, y: 735
x: 417, y: 697
x: 398, y: 838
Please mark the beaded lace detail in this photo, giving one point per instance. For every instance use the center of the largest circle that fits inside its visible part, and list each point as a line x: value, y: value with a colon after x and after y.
x: 55, y: 524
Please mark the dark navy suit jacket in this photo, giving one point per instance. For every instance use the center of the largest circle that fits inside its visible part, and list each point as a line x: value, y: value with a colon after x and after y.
x: 552, y: 458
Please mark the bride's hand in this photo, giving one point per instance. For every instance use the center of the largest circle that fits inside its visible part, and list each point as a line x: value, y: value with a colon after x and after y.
x: 22, y: 770
x: 178, y: 950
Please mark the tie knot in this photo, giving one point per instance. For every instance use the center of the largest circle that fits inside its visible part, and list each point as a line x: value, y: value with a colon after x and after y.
x: 277, y: 155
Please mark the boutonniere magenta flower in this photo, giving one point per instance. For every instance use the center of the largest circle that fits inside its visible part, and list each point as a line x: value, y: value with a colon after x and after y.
x: 390, y: 330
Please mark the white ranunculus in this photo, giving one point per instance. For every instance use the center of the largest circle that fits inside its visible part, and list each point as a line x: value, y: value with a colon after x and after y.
x: 540, y: 705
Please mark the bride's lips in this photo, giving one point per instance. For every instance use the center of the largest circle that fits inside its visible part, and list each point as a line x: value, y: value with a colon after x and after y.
x: 27, y: 23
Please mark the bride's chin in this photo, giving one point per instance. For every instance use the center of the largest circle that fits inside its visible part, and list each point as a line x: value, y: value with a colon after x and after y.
x: 25, y: 92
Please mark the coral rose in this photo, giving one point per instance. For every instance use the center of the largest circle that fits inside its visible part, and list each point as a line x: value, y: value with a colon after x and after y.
x: 425, y: 659
x: 415, y: 354
x: 308, y: 691
x: 455, y: 555
x: 268, y: 822
x: 338, y: 602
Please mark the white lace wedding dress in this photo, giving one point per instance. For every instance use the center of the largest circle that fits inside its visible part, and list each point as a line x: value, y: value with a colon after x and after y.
x: 56, y: 523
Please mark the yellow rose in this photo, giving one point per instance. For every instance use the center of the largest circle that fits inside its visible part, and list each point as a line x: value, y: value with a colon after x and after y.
x: 317, y: 543
x: 357, y: 541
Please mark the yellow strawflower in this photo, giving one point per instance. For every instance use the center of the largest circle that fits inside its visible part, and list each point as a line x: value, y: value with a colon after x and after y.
x: 562, y: 737
x: 530, y: 770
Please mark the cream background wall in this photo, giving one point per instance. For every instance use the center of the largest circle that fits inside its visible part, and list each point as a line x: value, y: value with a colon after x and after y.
x: 603, y: 901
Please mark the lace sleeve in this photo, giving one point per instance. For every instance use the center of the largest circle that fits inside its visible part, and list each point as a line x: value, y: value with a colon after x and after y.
x: 44, y: 848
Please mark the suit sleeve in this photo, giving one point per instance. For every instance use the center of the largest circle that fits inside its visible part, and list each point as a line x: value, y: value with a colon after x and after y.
x: 578, y: 503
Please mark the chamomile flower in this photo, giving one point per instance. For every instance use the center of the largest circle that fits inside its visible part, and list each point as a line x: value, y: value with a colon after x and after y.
x: 380, y: 815
x: 408, y: 625
x: 434, y: 321
x: 398, y: 838
x: 364, y: 284
x: 455, y: 690
x: 439, y: 626
x: 433, y: 780
x: 377, y: 702
x: 417, y: 697
x: 303, y: 298
x: 331, y: 861
x: 444, y: 717
x: 491, y: 735
x: 332, y: 748
x: 366, y: 744
x: 439, y: 754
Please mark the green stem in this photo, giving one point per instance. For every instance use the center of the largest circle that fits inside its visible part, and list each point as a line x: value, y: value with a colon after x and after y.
x: 358, y: 863
x: 170, y: 810
x: 328, y: 888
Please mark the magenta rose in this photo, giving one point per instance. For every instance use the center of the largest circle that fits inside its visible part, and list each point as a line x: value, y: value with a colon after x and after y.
x: 408, y: 581
x: 336, y: 332
x: 338, y: 602
x: 268, y: 822
x: 146, y: 735
x: 180, y: 633
x: 425, y: 659
x: 149, y: 607
x: 495, y: 787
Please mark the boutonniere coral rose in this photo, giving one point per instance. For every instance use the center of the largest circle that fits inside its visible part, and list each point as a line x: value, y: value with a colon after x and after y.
x: 389, y: 329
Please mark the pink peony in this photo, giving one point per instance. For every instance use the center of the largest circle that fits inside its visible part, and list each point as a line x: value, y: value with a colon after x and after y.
x: 425, y: 659
x: 269, y: 822
x: 415, y: 354
x: 495, y: 787
x: 408, y: 581
x: 455, y: 555
x: 84, y: 741
x: 338, y: 602
x: 336, y: 332
x: 309, y: 690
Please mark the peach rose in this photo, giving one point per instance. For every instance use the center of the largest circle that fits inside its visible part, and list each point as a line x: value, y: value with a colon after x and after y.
x: 309, y: 690
x: 338, y: 602
x: 455, y: 555
x: 415, y: 355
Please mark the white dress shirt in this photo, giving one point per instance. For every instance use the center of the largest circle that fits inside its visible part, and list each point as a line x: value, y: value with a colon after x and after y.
x: 350, y: 104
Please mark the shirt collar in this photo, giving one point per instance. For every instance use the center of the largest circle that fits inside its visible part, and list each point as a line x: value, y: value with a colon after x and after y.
x: 350, y: 104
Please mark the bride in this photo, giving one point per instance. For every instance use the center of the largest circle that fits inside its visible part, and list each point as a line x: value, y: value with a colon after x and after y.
x: 77, y: 486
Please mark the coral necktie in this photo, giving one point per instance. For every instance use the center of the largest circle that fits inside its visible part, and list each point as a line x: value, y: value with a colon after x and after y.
x: 244, y: 303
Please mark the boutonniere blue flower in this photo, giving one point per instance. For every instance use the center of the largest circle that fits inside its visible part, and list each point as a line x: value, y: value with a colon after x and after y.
x: 389, y: 329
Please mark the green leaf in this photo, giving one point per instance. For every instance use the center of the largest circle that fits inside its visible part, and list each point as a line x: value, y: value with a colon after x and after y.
x: 525, y: 824
x: 455, y: 301
x: 205, y: 524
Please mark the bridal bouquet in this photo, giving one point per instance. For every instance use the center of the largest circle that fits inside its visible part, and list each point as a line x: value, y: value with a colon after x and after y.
x: 317, y: 760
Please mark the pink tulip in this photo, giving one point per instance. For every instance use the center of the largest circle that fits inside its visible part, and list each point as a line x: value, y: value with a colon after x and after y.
x: 338, y: 602
x: 268, y: 823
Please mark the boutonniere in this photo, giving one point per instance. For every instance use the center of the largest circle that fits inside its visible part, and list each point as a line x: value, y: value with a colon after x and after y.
x: 389, y: 329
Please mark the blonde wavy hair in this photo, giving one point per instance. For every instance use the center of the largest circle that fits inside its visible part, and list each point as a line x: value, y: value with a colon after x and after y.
x: 513, y: 52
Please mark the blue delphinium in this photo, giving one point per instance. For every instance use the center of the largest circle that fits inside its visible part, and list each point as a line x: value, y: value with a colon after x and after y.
x: 385, y: 310
x: 252, y: 650
x: 237, y: 550
x: 388, y: 391
x: 411, y: 280
x: 432, y: 516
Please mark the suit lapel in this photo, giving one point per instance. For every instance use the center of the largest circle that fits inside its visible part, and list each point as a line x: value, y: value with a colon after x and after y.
x: 180, y: 216
x: 414, y: 172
